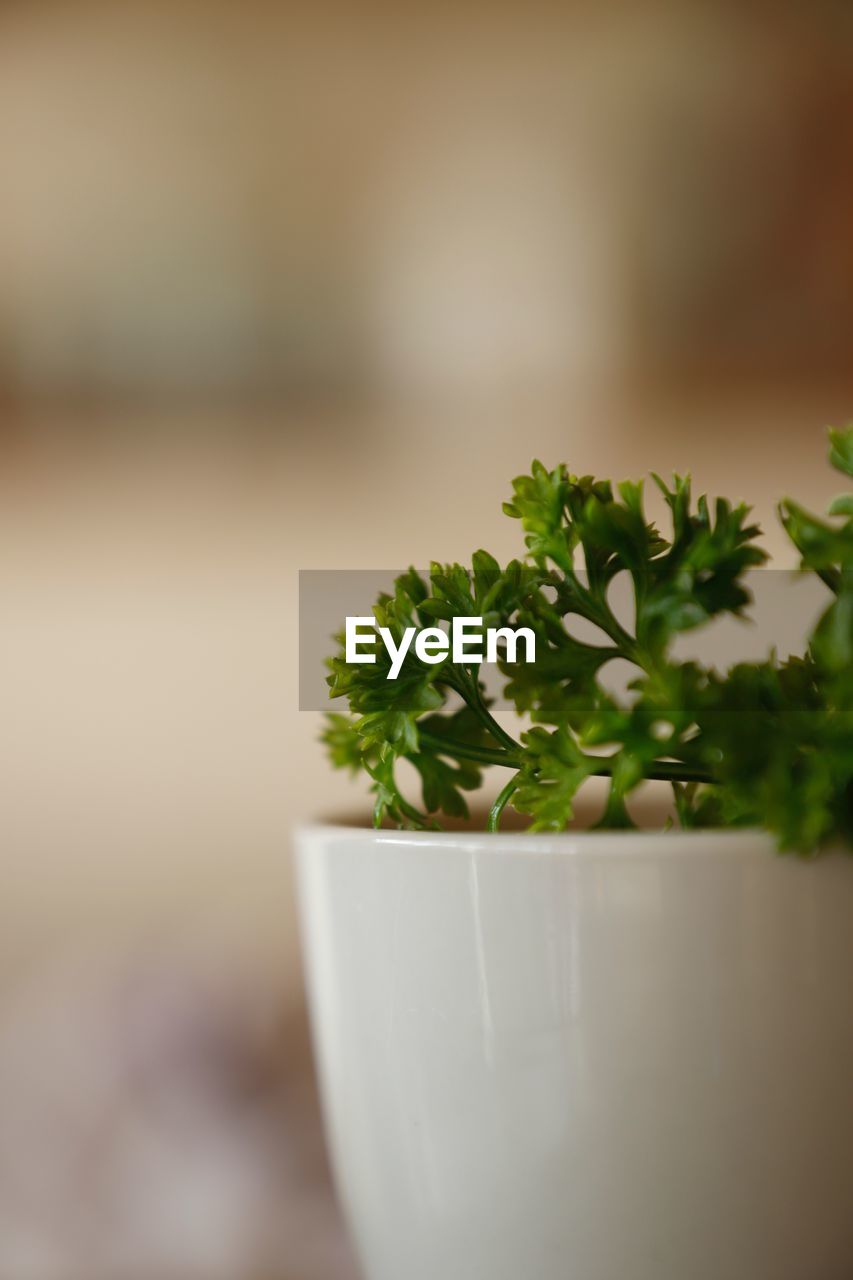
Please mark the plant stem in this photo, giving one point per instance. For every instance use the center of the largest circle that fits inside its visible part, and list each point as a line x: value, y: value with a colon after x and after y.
x: 600, y: 614
x: 663, y: 770
x: 500, y: 804
x: 832, y: 579
x: 478, y: 706
x: 470, y: 751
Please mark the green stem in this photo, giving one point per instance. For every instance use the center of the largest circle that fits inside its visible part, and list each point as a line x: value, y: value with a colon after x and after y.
x: 470, y: 751
x: 466, y: 684
x: 473, y: 696
x: 602, y: 617
x: 663, y: 771
x: 496, y: 811
x: 832, y: 579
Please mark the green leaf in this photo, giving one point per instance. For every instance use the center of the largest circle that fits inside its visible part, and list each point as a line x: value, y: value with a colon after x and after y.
x: 841, y: 449
x: 822, y: 545
x: 553, y: 772
x: 832, y: 639
x: 443, y: 783
x: 346, y: 747
x: 539, y: 502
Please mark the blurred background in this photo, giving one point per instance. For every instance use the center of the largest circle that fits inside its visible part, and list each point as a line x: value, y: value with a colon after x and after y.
x: 293, y: 286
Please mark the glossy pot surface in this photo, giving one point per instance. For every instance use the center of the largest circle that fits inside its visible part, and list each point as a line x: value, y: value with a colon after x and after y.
x: 615, y: 1056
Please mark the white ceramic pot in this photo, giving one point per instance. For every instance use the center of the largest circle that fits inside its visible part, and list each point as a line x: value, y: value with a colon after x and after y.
x: 584, y: 1057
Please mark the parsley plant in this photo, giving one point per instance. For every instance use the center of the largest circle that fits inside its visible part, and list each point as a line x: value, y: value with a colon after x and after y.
x: 767, y: 744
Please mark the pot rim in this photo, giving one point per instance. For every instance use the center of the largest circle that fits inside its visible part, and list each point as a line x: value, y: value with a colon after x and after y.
x: 670, y: 843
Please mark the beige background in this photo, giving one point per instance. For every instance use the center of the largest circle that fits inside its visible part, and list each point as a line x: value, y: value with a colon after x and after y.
x: 153, y: 756
x: 287, y: 286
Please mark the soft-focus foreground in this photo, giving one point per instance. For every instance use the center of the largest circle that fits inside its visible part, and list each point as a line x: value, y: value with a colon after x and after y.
x: 287, y: 288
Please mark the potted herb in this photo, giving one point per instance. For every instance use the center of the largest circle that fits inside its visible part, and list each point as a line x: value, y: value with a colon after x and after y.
x: 614, y: 1053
